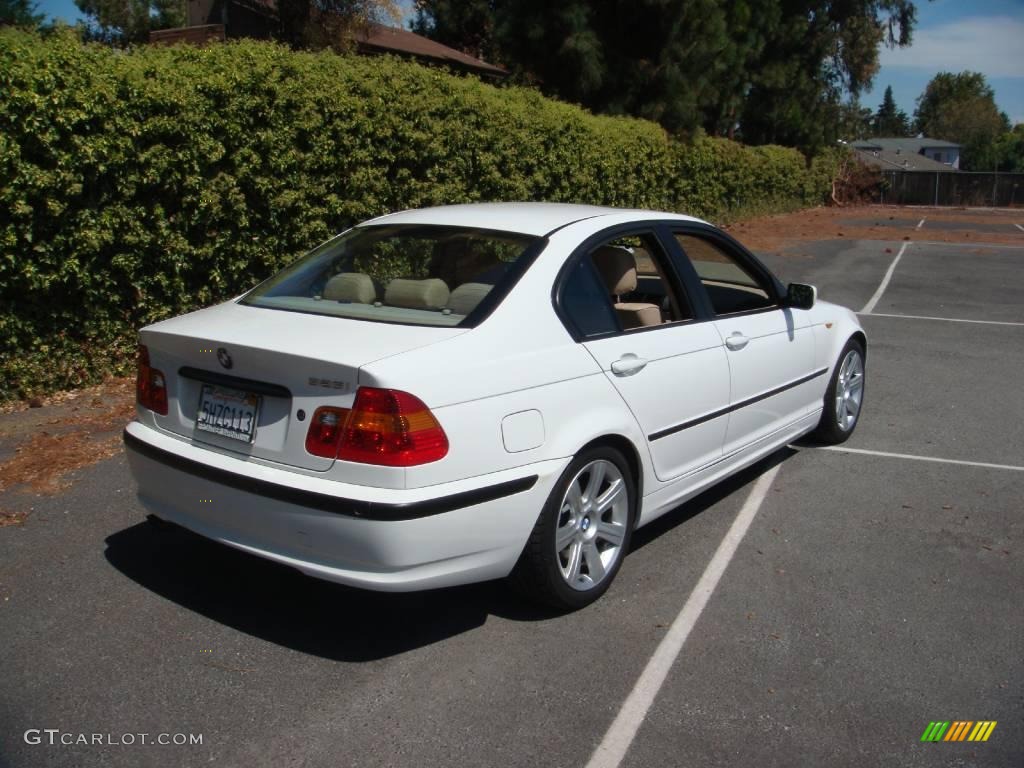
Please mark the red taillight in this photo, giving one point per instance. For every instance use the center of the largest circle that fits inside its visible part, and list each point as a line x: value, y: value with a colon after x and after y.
x: 150, y: 385
x: 325, y: 430
x: 391, y: 428
x: 384, y: 426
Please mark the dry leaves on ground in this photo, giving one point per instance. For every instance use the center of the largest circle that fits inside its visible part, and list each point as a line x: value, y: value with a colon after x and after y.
x: 72, y: 431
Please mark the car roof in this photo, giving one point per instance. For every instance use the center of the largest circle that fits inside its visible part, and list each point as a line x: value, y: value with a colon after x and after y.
x: 525, y: 218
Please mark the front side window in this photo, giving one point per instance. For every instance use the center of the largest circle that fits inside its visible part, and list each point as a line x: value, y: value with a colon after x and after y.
x: 730, y: 286
x: 412, y: 274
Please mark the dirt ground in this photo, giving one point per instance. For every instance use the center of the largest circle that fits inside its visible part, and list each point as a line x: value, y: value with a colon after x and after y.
x: 878, y: 222
x: 40, y: 446
x: 44, y: 440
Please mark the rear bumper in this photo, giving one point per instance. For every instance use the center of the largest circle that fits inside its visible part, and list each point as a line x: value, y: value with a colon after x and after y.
x: 375, y: 538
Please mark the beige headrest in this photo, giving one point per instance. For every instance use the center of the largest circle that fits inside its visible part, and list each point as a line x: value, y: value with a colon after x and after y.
x: 617, y: 268
x: 465, y: 298
x: 417, y: 294
x: 644, y: 262
x: 351, y: 286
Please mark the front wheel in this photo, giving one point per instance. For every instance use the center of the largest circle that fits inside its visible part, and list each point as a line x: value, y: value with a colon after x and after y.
x: 844, y: 397
x: 583, y: 532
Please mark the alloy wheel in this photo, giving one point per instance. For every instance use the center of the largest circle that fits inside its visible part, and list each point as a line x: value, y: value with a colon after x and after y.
x: 849, y: 390
x: 592, y: 522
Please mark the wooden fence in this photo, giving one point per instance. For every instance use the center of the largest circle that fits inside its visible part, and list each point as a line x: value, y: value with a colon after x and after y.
x: 953, y: 188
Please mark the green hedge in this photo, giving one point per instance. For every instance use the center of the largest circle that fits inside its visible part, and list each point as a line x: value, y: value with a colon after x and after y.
x: 137, y: 185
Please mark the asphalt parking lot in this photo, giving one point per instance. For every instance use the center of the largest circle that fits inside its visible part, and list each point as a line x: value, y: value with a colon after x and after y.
x: 878, y: 587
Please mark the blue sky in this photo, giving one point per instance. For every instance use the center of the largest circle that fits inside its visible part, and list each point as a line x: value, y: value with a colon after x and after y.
x: 984, y: 36
x: 64, y: 10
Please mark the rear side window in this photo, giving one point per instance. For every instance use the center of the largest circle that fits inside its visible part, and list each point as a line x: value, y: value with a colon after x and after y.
x: 413, y: 274
x: 585, y: 301
x: 621, y: 285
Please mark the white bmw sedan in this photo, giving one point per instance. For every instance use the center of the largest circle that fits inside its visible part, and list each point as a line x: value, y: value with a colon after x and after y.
x: 471, y: 392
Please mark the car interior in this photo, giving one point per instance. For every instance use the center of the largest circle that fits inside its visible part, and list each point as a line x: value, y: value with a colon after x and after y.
x: 636, y: 286
x: 457, y: 271
x: 400, y: 275
x: 430, y: 293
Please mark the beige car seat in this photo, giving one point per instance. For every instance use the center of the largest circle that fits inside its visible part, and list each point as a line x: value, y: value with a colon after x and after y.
x: 465, y: 298
x: 617, y: 268
x: 431, y: 293
x: 353, y: 287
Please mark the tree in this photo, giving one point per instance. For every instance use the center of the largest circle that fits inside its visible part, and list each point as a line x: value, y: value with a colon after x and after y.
x: 855, y: 122
x: 890, y: 120
x: 130, y: 21
x: 20, y: 13
x: 781, y: 70
x: 818, y: 54
x: 1010, y: 150
x: 642, y: 58
x: 320, y: 24
x: 466, y: 25
x: 962, y: 108
x: 301, y: 23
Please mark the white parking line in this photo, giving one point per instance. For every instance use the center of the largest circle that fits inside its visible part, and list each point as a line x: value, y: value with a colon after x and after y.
x: 969, y: 245
x: 921, y: 223
x: 616, y: 741
x: 944, y: 319
x: 911, y: 457
x: 1018, y: 226
x: 885, y: 282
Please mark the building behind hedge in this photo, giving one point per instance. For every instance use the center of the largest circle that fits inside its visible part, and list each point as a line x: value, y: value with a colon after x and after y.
x: 218, y: 20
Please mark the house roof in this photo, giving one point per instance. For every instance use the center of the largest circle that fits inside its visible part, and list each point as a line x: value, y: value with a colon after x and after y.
x: 382, y: 39
x: 904, y: 146
x: 379, y: 38
x: 899, y: 161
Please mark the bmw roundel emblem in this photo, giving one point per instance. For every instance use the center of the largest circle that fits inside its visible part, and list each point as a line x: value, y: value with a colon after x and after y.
x: 224, y: 358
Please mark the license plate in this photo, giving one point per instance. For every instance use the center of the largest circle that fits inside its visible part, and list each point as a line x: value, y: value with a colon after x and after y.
x: 228, y: 412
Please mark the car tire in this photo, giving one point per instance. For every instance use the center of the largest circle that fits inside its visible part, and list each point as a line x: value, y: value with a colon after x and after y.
x: 844, y: 398
x: 582, y: 534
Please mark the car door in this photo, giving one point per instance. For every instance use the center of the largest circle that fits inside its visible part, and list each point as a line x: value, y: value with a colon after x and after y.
x: 670, y: 369
x: 770, y: 347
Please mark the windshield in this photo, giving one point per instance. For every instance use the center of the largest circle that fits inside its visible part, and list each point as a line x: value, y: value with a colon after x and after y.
x: 414, y: 274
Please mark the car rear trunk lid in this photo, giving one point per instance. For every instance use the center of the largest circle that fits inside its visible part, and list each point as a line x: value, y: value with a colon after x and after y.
x: 275, y: 366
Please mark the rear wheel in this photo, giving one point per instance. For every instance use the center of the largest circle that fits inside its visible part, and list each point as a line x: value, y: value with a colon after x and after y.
x: 844, y: 396
x: 582, y: 534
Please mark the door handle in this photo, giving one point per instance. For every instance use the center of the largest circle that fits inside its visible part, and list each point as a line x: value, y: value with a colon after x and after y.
x: 736, y: 340
x: 628, y: 364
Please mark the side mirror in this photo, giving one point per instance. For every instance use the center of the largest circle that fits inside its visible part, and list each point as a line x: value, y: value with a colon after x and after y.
x: 801, y: 296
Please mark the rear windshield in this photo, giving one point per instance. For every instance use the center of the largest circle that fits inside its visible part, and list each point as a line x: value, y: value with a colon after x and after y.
x: 419, y: 275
